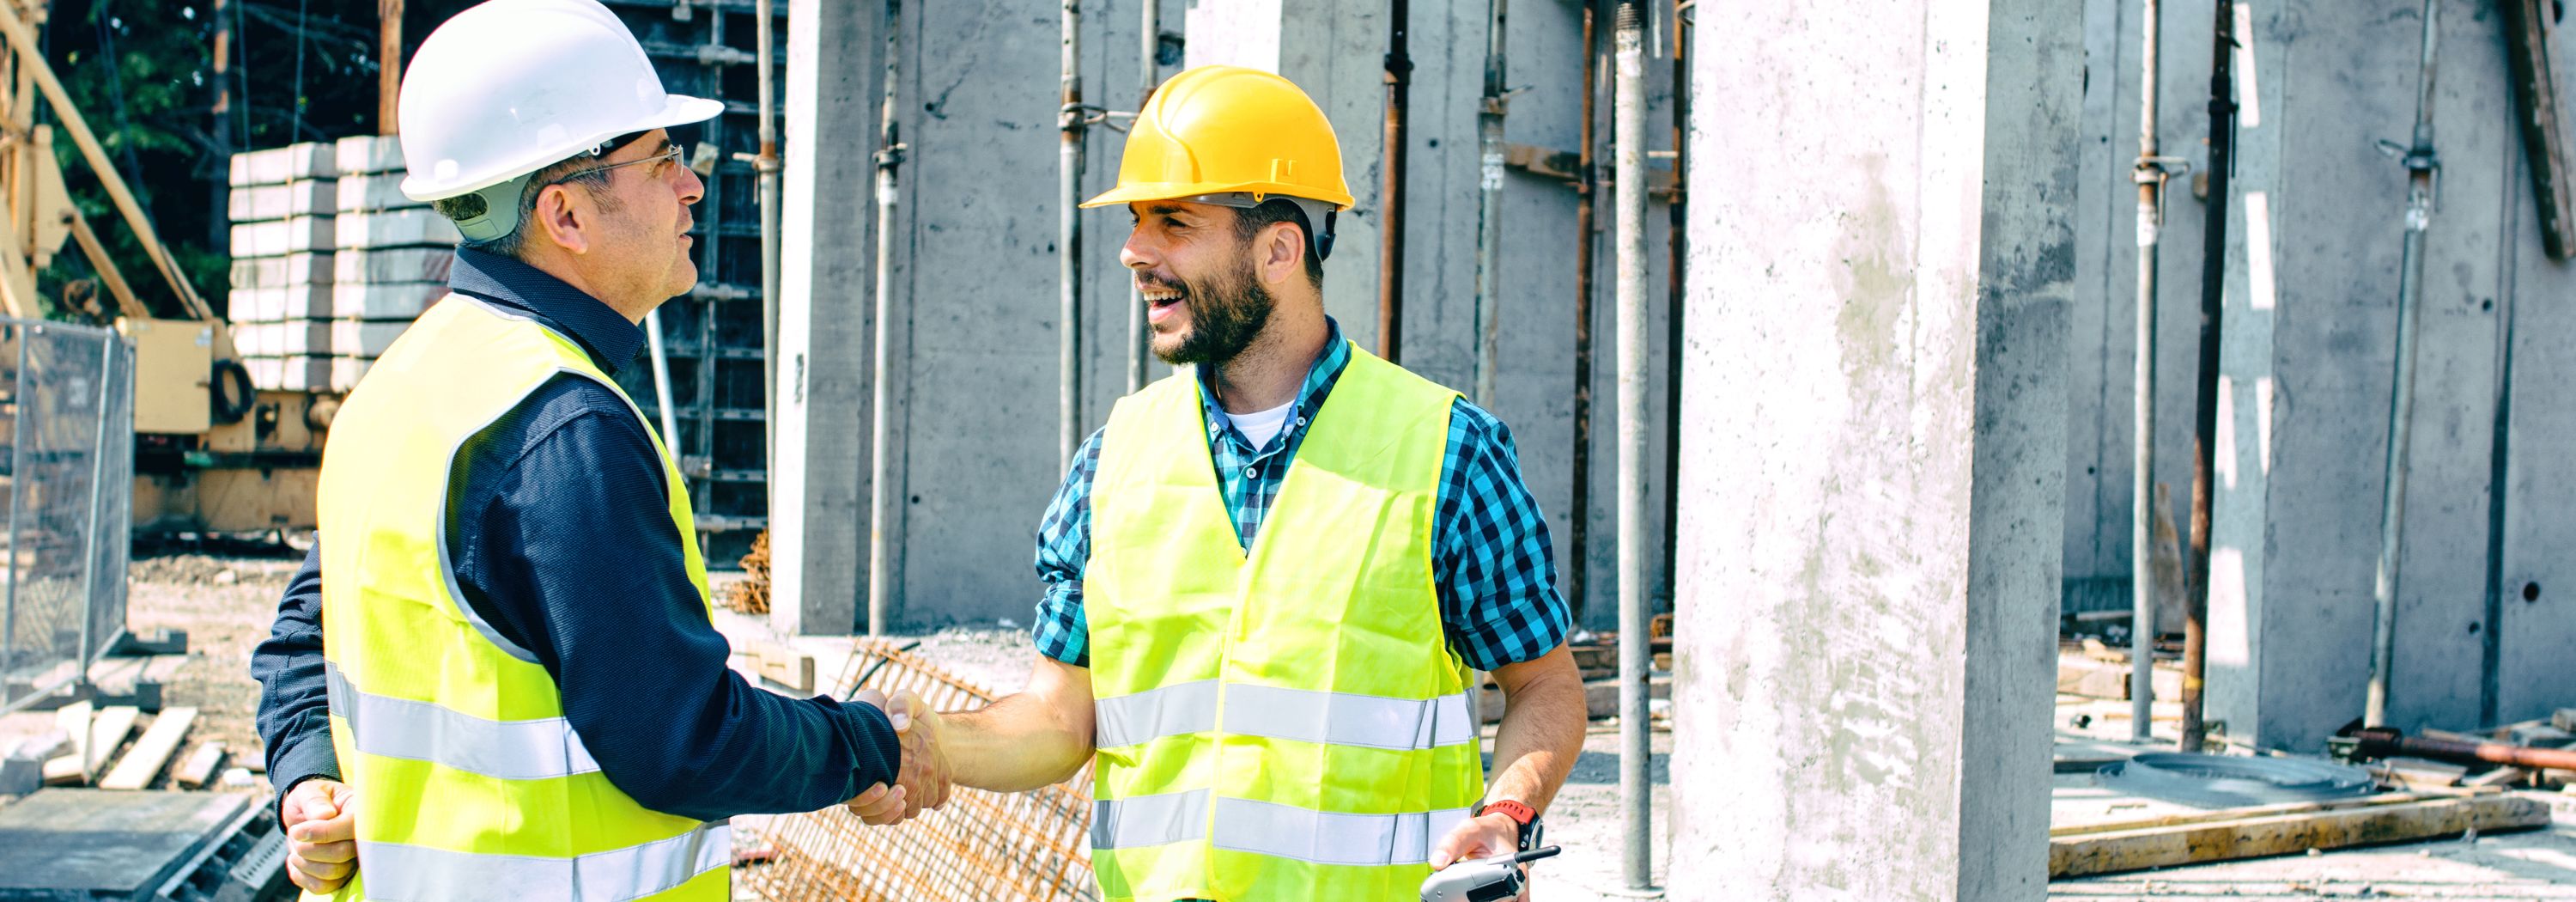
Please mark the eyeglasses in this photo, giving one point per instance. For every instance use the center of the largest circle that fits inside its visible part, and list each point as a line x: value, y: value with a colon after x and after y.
x: 669, y: 154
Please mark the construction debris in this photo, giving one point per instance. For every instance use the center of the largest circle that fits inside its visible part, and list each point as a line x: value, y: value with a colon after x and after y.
x: 142, y: 763
x: 2237, y: 833
x: 751, y: 596
x: 1031, y: 847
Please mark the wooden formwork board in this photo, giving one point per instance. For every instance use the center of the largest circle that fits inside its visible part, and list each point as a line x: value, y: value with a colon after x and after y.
x: 1021, y: 847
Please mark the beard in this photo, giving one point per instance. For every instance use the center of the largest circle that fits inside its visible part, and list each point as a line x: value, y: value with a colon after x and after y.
x: 1226, y: 313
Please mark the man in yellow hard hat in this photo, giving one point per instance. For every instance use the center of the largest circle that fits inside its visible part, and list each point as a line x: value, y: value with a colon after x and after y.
x: 497, y: 677
x: 1270, y: 579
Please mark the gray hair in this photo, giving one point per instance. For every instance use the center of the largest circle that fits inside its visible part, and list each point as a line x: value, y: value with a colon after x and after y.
x: 576, y: 170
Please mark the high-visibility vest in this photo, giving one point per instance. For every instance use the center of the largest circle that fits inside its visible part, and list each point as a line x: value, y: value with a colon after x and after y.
x: 471, y: 784
x: 1288, y: 723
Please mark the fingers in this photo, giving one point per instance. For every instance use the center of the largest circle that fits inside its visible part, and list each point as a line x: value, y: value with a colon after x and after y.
x: 880, y: 805
x: 869, y: 697
x: 1472, y: 839
x: 903, y: 708
x: 317, y: 877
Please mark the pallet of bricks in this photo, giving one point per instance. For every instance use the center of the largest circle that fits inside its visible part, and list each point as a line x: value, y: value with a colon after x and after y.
x: 330, y: 261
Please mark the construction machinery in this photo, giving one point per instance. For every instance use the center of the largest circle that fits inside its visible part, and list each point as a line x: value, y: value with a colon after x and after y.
x: 212, y: 454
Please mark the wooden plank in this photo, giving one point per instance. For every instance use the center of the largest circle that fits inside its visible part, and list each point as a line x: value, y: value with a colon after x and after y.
x: 784, y: 665
x: 2286, y: 834
x: 106, y: 733
x: 2256, y: 811
x: 152, y: 751
x: 2544, y: 124
x: 73, y: 720
x: 200, y: 767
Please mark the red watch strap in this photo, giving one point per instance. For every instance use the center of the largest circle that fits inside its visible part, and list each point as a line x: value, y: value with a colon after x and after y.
x: 1519, y: 813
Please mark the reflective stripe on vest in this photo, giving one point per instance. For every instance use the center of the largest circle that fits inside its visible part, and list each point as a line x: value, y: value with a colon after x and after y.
x: 1284, y: 721
x: 1280, y: 831
x: 397, y: 871
x: 476, y: 784
x: 508, y: 749
x: 1337, y: 718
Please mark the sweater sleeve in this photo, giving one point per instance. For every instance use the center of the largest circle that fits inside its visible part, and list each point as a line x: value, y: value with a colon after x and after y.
x: 574, y: 555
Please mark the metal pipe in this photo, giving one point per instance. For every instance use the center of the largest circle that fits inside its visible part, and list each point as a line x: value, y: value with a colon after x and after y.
x: 1676, y: 303
x: 1578, y: 569
x: 1073, y: 124
x: 889, y: 159
x: 1148, y: 74
x: 220, y: 131
x: 2387, y: 743
x: 1628, y: 150
x: 1489, y: 201
x: 2142, y: 536
x: 97, y: 494
x: 2421, y: 164
x: 2204, y: 428
x: 662, y: 384
x: 18, y: 429
x: 1390, y: 263
x: 767, y: 165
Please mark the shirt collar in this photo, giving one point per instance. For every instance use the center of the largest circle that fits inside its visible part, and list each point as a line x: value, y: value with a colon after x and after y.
x: 1310, y: 396
x: 611, y: 340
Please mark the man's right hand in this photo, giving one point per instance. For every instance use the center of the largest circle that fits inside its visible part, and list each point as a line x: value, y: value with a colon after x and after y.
x: 321, y: 824
x: 921, y: 778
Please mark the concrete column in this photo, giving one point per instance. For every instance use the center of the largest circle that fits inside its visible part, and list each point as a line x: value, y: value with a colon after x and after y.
x: 818, y: 531
x: 1335, y: 50
x: 1873, y: 482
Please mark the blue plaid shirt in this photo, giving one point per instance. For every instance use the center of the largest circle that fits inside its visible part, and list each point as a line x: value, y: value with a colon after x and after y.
x: 1491, y: 558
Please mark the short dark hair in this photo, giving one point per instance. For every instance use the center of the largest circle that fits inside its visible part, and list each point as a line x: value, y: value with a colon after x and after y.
x: 1250, y: 222
x: 574, y: 171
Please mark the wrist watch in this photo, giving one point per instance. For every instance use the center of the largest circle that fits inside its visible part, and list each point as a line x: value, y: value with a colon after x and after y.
x: 1520, y: 814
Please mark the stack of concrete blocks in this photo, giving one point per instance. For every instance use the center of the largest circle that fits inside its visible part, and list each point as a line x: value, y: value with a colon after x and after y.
x: 283, y: 207
x: 357, y: 263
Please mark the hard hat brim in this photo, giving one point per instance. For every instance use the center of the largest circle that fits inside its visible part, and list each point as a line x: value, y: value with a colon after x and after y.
x: 680, y: 109
x: 1128, y: 194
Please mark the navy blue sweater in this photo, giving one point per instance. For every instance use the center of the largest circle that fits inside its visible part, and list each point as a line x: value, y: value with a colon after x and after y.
x: 561, y: 538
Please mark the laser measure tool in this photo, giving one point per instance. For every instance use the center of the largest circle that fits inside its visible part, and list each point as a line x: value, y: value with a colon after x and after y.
x: 1482, y: 880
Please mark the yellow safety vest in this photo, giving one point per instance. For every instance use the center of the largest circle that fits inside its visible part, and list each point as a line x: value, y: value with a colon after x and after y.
x: 470, y: 782
x: 1288, y: 723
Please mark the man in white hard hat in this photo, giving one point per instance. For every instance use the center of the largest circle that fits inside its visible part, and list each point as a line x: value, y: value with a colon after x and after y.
x: 504, y: 630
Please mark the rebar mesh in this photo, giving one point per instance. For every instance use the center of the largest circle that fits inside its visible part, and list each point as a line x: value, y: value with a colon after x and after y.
x: 981, y: 846
x: 67, y: 403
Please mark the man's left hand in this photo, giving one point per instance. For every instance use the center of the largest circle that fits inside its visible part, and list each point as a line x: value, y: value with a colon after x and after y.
x: 1483, y: 836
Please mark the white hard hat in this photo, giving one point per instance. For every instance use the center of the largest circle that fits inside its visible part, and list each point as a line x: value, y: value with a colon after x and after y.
x: 509, y: 87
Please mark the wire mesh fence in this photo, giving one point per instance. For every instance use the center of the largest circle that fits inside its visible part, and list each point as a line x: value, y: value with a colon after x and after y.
x: 67, y: 471
x: 1022, y: 847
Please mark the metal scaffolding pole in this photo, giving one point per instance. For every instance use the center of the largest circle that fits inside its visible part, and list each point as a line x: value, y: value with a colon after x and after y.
x: 1489, y: 201
x: 889, y: 159
x: 1390, y: 264
x: 1578, y: 565
x: 2421, y: 164
x: 2149, y: 175
x: 1073, y: 123
x: 2204, y: 428
x: 1148, y: 74
x: 767, y: 167
x: 1628, y: 150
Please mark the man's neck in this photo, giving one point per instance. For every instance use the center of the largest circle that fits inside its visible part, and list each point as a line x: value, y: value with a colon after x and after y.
x: 1273, y: 367
x: 560, y: 267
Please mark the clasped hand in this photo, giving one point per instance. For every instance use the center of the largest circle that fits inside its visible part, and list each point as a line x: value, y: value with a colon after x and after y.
x: 921, y: 780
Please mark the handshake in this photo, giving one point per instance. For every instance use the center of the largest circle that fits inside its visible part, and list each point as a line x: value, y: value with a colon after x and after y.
x: 921, y: 779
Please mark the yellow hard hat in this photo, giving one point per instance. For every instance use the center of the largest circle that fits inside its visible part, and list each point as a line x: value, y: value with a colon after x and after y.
x: 1229, y: 130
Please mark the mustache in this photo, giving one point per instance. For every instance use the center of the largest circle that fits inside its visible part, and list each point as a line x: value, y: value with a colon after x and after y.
x: 1146, y: 280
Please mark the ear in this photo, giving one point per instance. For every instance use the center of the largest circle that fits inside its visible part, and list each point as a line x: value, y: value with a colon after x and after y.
x: 1283, y: 249
x: 562, y: 215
